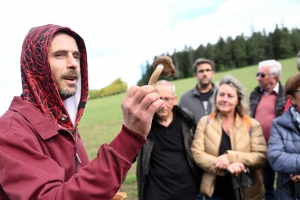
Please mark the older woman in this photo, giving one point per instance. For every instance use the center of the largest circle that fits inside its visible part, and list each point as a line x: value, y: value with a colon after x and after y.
x: 223, y: 142
x: 284, y: 142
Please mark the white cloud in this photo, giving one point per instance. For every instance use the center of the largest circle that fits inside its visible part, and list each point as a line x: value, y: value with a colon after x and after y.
x: 121, y: 35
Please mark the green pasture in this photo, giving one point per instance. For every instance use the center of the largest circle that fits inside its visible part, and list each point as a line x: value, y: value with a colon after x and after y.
x: 102, y: 119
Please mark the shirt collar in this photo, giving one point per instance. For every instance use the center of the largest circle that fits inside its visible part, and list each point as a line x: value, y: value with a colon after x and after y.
x: 275, y: 89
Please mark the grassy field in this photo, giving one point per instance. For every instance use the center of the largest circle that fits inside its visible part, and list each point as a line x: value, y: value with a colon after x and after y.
x: 102, y: 119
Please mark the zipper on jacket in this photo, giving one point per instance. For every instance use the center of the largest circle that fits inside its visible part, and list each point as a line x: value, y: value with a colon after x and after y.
x: 77, y: 158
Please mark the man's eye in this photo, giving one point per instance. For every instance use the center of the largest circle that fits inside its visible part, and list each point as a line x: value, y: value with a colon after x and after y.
x: 59, y: 55
x: 76, y: 56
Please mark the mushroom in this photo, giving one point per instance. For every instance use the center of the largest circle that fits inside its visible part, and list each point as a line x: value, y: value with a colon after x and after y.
x: 163, y: 65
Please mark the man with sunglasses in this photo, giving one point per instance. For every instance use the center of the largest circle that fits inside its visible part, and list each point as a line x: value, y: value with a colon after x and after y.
x: 165, y: 168
x: 267, y: 102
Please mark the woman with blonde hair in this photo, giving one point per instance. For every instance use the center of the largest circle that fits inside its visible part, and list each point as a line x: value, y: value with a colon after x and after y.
x: 224, y: 142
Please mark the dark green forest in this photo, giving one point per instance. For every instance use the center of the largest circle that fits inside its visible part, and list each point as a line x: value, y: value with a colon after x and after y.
x: 227, y: 54
x: 232, y: 53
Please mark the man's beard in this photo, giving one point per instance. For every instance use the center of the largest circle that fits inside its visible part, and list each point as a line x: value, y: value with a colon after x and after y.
x: 66, y: 93
x: 204, y: 84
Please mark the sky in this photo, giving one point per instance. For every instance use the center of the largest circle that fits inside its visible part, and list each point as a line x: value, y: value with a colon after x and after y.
x: 121, y: 36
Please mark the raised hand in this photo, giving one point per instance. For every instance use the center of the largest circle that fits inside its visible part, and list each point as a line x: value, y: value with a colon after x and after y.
x: 138, y: 107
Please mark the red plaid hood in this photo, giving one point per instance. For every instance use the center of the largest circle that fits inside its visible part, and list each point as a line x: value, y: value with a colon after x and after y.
x: 39, y: 87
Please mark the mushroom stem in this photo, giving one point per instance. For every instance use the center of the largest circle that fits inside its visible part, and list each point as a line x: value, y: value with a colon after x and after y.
x: 154, y: 77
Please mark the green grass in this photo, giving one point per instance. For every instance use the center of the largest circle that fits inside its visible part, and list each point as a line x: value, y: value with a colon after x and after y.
x: 102, y: 119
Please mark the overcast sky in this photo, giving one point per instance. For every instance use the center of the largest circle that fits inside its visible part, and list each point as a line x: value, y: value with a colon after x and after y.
x: 121, y: 36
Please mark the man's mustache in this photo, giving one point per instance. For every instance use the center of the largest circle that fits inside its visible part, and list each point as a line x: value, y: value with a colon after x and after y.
x: 72, y: 74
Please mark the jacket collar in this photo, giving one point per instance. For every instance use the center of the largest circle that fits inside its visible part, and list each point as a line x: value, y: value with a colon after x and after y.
x: 196, y: 89
x: 184, y: 115
x: 238, y: 122
x: 45, y: 127
x: 278, y: 89
x: 286, y: 120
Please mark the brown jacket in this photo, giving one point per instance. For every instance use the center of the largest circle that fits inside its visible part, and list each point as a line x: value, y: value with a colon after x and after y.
x: 247, y: 148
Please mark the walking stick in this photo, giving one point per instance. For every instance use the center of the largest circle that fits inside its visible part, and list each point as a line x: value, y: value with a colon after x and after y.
x: 236, y: 187
x: 245, y: 182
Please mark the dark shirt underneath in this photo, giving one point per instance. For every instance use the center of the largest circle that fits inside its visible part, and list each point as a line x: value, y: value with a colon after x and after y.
x: 170, y: 176
x: 205, y: 99
x: 224, y: 187
x: 205, y: 96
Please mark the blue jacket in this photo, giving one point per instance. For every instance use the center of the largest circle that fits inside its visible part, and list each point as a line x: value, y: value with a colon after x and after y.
x: 284, y: 151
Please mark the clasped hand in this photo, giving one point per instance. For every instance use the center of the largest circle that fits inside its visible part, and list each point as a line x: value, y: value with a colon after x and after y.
x: 295, y: 178
x: 222, y: 162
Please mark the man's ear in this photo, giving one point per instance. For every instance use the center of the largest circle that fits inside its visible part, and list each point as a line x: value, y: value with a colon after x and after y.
x: 292, y: 99
x: 175, y: 99
x: 276, y: 78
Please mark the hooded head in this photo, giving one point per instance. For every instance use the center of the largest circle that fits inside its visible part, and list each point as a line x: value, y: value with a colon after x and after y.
x: 40, y: 87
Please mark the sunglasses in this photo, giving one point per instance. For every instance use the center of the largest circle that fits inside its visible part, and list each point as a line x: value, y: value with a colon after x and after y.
x: 260, y: 74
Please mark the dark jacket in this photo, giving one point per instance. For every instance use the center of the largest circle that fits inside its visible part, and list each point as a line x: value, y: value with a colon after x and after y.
x: 41, y: 153
x: 279, y: 103
x: 143, y: 165
x: 192, y: 101
x: 284, y: 151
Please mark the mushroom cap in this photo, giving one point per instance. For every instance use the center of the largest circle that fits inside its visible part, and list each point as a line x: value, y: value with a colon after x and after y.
x: 166, y: 61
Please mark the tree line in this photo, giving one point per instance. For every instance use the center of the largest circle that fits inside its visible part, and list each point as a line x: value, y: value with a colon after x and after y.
x: 234, y: 53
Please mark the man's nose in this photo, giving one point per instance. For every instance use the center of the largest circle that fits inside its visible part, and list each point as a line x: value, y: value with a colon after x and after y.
x: 72, y: 62
x: 258, y: 78
x: 164, y: 104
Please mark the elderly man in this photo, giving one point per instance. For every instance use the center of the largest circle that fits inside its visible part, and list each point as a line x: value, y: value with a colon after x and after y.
x: 41, y: 153
x: 165, y: 167
x: 267, y: 102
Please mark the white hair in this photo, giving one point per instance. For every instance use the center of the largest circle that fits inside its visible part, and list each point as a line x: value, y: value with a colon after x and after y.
x: 273, y: 65
x: 165, y: 82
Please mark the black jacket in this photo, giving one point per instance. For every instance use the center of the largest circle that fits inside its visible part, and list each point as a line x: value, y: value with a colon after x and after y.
x: 143, y: 165
x: 279, y: 104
